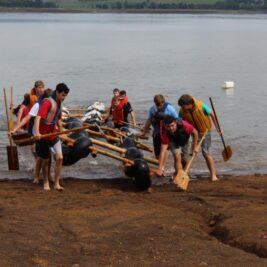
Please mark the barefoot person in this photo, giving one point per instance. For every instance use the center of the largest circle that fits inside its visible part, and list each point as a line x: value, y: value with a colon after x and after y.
x: 175, y: 138
x: 29, y: 118
x: 198, y: 114
x: 47, y: 121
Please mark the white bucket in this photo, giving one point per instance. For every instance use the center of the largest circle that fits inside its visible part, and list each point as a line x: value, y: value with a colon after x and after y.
x: 228, y: 84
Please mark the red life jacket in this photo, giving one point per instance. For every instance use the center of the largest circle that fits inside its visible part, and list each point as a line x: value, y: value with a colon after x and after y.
x: 53, y: 114
x: 117, y: 113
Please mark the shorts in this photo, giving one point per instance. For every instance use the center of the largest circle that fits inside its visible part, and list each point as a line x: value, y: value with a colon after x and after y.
x: 43, y: 147
x: 205, y: 146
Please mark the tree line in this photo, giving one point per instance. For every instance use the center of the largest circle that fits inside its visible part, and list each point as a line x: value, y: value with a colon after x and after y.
x: 27, y: 3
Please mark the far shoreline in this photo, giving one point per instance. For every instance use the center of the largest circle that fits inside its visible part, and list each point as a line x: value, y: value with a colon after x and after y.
x: 131, y: 11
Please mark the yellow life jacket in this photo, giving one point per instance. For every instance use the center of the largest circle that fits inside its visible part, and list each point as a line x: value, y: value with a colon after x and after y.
x: 197, y: 117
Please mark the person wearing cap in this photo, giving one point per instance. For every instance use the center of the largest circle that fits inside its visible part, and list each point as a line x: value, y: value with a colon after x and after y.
x: 201, y: 117
x: 175, y: 138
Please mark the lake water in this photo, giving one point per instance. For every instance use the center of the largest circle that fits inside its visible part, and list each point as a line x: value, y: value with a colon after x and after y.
x: 145, y: 55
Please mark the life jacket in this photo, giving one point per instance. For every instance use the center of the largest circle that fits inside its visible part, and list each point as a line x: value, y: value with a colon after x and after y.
x: 179, y: 137
x: 158, y: 116
x: 124, y: 99
x: 197, y: 117
x: 53, y: 114
x: 118, y: 113
x: 33, y: 98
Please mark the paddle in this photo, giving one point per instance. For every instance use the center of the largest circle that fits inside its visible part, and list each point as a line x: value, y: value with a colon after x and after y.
x: 12, y: 151
x: 32, y: 139
x: 182, y: 178
x: 227, y: 151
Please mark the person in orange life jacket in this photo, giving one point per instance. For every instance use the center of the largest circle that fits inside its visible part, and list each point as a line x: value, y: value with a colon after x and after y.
x: 155, y: 118
x: 30, y: 118
x: 198, y: 114
x: 46, y: 121
x: 128, y: 109
x: 175, y: 138
x: 30, y: 99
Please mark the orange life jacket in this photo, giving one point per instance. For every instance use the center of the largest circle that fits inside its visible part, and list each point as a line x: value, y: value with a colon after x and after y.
x: 117, y: 113
x: 197, y: 117
x: 33, y: 98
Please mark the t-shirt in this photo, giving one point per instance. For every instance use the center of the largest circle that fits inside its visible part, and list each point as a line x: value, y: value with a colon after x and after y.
x: 44, y: 128
x: 166, y: 137
x: 170, y: 110
x: 34, y: 110
x: 127, y: 109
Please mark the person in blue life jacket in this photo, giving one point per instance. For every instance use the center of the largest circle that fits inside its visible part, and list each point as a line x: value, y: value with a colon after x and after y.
x: 156, y: 116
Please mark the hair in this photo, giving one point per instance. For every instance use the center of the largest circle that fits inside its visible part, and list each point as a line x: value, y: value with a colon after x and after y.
x: 116, y: 90
x: 39, y: 83
x: 62, y: 87
x: 122, y: 93
x: 169, y: 119
x: 47, y: 93
x: 185, y: 100
x: 159, y: 99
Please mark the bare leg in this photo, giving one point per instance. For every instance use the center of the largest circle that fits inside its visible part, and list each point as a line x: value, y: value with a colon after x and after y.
x: 38, y: 166
x: 45, y: 173
x: 58, y: 167
x: 211, y: 166
x: 51, y: 178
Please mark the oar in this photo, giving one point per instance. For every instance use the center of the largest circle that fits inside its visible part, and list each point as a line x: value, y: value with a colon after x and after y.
x: 182, y: 178
x: 227, y: 151
x: 130, y: 124
x: 11, y: 108
x: 32, y: 139
x: 74, y: 115
x: 137, y: 143
x: 12, y: 151
x: 121, y: 150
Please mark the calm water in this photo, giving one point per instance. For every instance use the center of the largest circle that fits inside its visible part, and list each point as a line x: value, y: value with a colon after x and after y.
x: 145, y: 55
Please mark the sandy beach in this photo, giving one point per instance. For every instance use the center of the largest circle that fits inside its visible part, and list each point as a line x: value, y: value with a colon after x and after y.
x: 109, y: 223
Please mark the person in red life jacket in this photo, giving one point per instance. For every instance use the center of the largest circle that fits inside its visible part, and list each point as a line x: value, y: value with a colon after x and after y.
x: 200, y: 116
x: 119, y: 111
x: 47, y: 121
x: 128, y: 108
x: 175, y: 138
x: 30, y: 99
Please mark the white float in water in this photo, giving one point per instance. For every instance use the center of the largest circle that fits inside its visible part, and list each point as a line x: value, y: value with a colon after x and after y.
x: 228, y: 85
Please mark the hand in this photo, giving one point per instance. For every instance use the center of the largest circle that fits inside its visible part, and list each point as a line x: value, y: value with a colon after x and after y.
x: 220, y: 132
x: 38, y: 136
x: 195, y: 150
x: 159, y: 172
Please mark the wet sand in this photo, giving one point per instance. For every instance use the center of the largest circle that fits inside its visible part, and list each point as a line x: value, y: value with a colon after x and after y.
x: 109, y: 223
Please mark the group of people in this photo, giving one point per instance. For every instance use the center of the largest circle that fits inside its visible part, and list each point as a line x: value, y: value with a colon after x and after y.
x: 40, y: 113
x: 171, y: 131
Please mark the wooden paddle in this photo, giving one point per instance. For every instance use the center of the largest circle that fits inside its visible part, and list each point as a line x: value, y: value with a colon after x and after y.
x: 121, y: 150
x: 32, y: 139
x: 227, y: 151
x: 12, y: 151
x: 182, y: 178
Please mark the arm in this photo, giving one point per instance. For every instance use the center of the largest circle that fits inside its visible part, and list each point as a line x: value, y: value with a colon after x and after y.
x: 133, y: 118
x: 195, y: 139
x: 220, y: 131
x: 146, y: 128
x: 163, y: 151
x: 37, y: 125
x: 22, y: 123
x: 21, y: 109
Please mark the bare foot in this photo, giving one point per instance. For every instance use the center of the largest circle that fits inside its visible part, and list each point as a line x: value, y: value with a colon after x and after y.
x: 58, y: 187
x: 214, y: 179
x: 46, y: 187
x: 36, y: 181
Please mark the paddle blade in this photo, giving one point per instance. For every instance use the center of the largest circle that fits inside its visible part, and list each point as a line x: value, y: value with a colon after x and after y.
x: 12, y: 157
x: 227, y: 153
x: 181, y: 180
